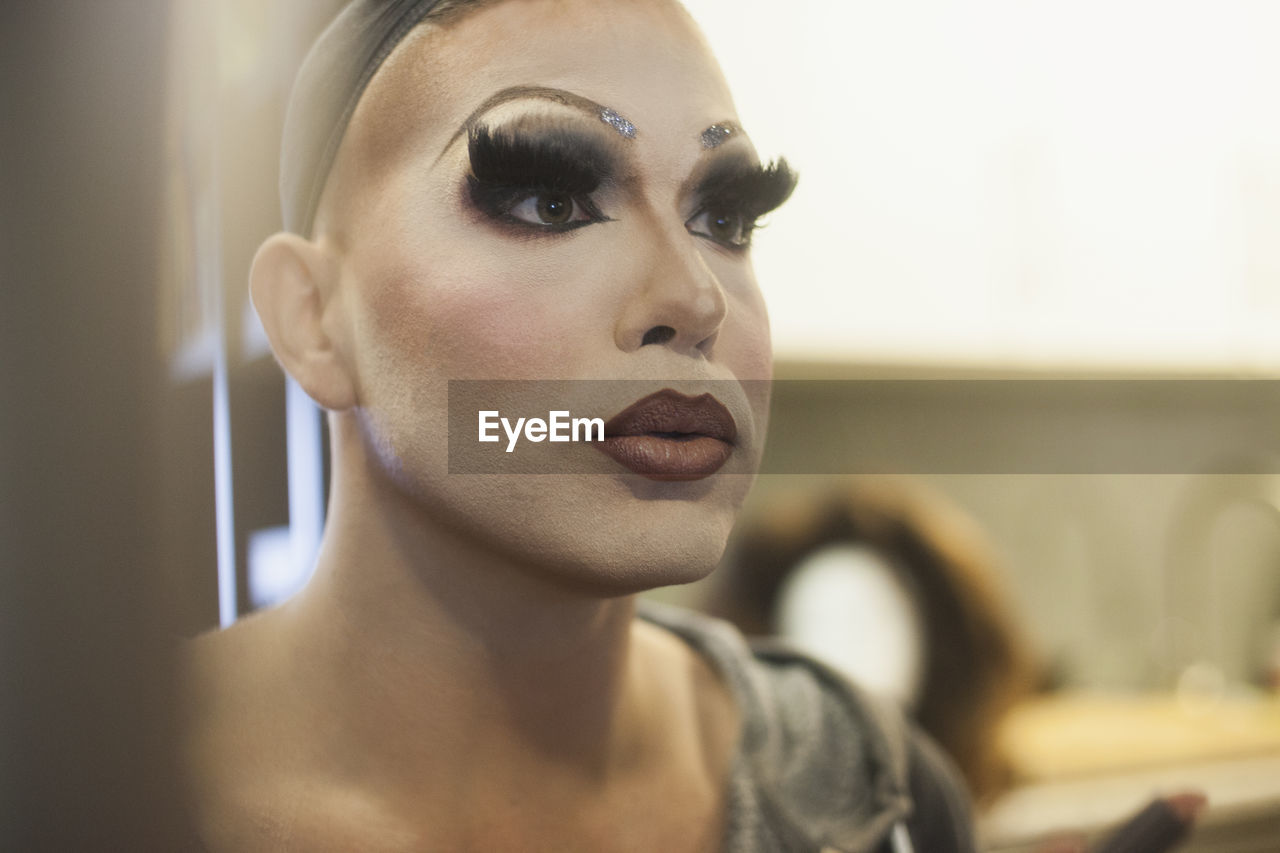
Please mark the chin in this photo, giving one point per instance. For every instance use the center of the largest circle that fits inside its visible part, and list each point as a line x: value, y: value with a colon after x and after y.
x: 613, y: 537
x: 635, y: 573
x: 656, y: 563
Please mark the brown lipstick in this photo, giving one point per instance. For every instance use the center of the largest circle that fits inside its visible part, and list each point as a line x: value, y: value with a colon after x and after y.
x: 670, y: 436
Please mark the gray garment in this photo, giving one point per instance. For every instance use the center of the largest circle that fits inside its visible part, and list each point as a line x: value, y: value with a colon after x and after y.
x: 820, y: 765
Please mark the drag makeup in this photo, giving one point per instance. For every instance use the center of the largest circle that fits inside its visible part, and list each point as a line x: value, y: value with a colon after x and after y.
x: 618, y: 123
x: 622, y: 125
x: 540, y: 179
x: 718, y: 134
x: 538, y: 175
x: 734, y: 192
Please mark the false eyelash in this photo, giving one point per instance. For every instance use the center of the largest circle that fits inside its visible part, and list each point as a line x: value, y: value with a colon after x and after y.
x: 751, y: 190
x: 745, y: 190
x: 507, y: 167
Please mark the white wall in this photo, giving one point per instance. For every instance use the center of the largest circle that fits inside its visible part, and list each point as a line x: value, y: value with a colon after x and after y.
x: 1082, y: 182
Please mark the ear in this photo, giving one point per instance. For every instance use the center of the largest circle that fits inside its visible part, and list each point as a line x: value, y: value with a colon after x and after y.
x: 293, y: 284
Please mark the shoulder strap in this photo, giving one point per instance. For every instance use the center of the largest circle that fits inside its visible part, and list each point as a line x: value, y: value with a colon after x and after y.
x: 940, y: 820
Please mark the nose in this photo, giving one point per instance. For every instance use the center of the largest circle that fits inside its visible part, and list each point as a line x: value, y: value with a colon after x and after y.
x: 677, y: 302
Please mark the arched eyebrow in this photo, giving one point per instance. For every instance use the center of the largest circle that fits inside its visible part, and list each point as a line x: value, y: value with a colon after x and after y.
x: 547, y: 93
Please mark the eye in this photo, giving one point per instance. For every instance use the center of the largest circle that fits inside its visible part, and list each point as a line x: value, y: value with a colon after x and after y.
x: 542, y: 182
x: 724, y: 226
x: 554, y: 209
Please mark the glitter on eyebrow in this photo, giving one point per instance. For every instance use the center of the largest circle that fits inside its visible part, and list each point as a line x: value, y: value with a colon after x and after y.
x: 618, y: 123
x: 716, y: 135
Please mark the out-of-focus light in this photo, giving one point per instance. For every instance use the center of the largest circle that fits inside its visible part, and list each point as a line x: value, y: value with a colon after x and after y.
x: 998, y: 181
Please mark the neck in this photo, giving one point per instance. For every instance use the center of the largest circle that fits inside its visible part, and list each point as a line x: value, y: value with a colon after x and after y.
x: 432, y: 651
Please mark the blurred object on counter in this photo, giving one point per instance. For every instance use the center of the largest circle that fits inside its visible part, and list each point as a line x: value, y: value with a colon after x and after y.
x: 1163, y: 825
x: 1221, y: 583
x: 920, y: 593
x: 1066, y: 735
x: 1243, y: 817
x: 1271, y: 657
x: 1083, y: 761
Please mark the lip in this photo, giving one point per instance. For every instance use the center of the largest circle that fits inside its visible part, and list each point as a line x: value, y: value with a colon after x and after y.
x: 670, y: 436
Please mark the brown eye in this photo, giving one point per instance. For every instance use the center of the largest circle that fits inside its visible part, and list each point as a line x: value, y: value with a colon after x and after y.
x: 555, y: 208
x: 726, y: 227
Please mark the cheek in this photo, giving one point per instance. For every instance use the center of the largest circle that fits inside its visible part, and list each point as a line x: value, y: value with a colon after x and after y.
x: 747, y: 344
x: 491, y: 321
x: 449, y: 293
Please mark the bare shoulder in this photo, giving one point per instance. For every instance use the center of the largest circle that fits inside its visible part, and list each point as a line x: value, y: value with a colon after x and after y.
x: 232, y: 690
x: 252, y: 752
x: 697, y: 686
x: 231, y: 758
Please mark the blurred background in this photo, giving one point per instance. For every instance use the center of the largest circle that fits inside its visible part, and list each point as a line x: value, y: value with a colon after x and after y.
x: 1021, y: 195
x: 1030, y: 193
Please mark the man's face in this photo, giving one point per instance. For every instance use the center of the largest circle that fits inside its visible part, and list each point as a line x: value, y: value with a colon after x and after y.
x: 525, y: 195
